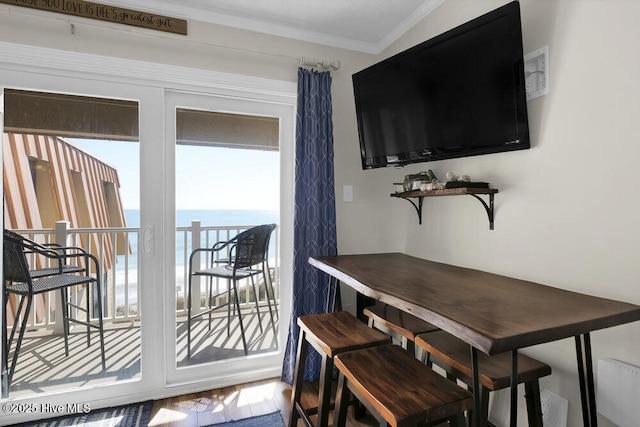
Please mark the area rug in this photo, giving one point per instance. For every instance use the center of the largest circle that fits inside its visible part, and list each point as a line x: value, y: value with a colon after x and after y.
x: 136, y: 415
x: 269, y: 420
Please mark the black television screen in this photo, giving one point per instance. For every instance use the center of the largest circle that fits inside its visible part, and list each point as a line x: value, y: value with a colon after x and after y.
x: 459, y: 94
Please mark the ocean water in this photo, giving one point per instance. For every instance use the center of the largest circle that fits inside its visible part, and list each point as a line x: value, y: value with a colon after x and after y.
x: 207, y: 218
x: 215, y: 217
x: 184, y: 217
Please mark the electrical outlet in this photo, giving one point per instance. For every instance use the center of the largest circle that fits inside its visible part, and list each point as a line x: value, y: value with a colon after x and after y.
x: 555, y: 409
x: 542, y: 77
x: 536, y: 73
x: 531, y: 83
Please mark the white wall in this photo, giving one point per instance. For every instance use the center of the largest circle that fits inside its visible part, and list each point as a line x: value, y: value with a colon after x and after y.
x: 567, y: 210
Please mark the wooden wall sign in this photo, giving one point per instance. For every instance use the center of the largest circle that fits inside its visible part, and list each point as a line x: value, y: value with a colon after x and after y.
x: 108, y: 13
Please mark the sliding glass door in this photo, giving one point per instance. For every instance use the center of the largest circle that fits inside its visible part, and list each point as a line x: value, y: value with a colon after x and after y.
x: 77, y: 170
x: 140, y: 176
x: 227, y: 173
x: 73, y: 180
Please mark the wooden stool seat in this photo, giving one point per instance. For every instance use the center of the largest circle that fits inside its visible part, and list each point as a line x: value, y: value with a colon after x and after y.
x: 334, y: 333
x: 329, y: 334
x: 402, y: 325
x: 397, y: 387
x: 494, y: 372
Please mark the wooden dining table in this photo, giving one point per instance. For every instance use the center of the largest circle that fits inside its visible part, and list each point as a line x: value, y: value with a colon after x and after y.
x: 491, y: 312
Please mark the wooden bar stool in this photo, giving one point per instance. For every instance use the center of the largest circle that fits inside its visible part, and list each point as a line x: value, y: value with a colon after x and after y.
x: 397, y: 388
x: 329, y: 334
x: 398, y: 324
x: 494, y: 372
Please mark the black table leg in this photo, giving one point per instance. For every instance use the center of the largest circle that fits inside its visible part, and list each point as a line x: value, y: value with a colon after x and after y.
x: 477, y: 419
x: 477, y: 413
x: 514, y: 388
x: 585, y: 376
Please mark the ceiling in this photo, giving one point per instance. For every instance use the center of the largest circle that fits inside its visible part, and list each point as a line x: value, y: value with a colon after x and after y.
x: 362, y: 25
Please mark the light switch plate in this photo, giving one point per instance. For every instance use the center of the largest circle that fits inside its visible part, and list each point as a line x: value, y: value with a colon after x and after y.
x: 347, y: 193
x: 536, y: 73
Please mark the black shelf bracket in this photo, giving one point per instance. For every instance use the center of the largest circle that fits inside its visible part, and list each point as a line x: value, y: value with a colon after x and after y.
x: 417, y: 206
x: 488, y: 208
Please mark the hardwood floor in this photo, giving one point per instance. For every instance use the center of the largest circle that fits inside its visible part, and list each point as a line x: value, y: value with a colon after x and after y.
x: 235, y: 402
x: 42, y: 366
x: 36, y: 373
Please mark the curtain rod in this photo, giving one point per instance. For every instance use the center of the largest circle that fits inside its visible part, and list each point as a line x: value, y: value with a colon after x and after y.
x: 319, y: 63
x: 306, y: 61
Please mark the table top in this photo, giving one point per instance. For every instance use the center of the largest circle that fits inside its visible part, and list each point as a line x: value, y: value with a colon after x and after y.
x: 493, y: 313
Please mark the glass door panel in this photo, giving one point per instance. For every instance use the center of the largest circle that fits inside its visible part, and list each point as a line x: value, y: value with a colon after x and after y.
x: 72, y: 179
x: 227, y: 163
x: 226, y: 183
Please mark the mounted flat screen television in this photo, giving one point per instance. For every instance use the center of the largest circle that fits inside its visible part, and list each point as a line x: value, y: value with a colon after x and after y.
x: 459, y: 94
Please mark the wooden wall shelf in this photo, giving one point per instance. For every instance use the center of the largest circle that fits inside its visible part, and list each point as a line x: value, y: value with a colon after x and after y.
x: 475, y: 192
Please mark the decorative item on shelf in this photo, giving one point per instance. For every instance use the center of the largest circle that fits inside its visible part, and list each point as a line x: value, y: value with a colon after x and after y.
x: 463, y: 184
x: 454, y: 186
x: 451, y: 177
x: 414, y: 182
x: 459, y: 181
x: 433, y: 185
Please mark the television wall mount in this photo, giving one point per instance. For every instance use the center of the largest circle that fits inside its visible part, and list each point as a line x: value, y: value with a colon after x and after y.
x: 475, y: 192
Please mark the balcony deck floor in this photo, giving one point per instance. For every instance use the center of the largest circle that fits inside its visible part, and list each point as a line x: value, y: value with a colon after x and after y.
x: 43, y: 367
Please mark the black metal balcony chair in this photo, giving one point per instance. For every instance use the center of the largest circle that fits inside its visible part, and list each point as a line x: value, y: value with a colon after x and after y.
x: 26, y: 283
x: 247, y: 253
x: 266, y: 269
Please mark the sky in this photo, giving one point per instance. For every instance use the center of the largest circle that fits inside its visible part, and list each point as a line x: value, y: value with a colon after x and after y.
x: 206, y: 177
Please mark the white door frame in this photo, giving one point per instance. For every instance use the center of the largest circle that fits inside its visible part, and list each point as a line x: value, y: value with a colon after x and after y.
x: 244, y: 369
x: 50, y: 70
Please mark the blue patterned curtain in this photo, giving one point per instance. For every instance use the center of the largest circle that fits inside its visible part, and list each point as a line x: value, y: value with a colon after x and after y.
x: 314, y: 222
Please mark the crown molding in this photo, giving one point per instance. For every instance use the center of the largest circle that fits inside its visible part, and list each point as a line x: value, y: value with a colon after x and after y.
x: 28, y: 58
x: 185, y: 11
x: 228, y: 20
x: 417, y: 16
x: 293, y: 33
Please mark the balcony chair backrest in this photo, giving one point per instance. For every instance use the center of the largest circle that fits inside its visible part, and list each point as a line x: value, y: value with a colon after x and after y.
x: 15, y: 264
x: 251, y: 246
x: 266, y: 244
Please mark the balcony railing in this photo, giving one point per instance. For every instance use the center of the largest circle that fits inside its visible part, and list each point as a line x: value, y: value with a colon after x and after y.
x: 117, y: 250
